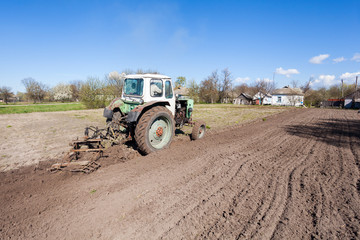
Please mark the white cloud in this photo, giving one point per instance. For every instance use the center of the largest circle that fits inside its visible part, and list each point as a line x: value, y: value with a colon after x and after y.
x: 349, y: 77
x: 339, y: 59
x: 323, y: 81
x: 319, y: 59
x: 241, y: 80
x: 356, y: 57
x: 287, y: 72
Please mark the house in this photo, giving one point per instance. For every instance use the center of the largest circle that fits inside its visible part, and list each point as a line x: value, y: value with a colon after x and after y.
x: 262, y: 98
x: 244, y: 99
x: 333, y: 103
x: 181, y: 91
x: 352, y: 100
x: 287, y: 96
x: 229, y: 97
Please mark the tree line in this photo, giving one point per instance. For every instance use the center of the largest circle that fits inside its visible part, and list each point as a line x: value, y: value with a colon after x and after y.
x: 217, y: 87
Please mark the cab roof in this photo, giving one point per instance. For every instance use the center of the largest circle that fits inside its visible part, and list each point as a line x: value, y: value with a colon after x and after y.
x: 147, y: 75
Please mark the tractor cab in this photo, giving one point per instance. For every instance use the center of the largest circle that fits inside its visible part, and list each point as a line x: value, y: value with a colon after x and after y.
x: 147, y: 88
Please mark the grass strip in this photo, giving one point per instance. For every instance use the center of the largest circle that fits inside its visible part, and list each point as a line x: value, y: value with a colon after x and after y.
x: 41, y: 108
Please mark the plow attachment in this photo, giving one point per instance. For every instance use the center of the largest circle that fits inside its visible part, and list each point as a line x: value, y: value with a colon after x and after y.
x: 85, y: 153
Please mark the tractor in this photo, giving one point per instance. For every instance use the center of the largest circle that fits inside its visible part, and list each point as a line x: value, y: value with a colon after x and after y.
x: 149, y: 112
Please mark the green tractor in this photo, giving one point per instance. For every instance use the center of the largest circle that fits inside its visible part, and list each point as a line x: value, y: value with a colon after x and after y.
x: 149, y: 112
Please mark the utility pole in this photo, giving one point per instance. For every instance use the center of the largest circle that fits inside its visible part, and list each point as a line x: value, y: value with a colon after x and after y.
x: 356, y: 93
x: 274, y: 79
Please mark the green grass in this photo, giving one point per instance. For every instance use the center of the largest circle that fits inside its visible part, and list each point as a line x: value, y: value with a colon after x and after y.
x: 29, y: 103
x: 41, y: 108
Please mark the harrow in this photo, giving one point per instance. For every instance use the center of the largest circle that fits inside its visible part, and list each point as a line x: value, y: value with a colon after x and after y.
x: 91, y: 147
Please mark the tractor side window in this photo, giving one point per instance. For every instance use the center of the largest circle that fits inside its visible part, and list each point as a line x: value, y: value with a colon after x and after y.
x: 168, y: 90
x: 156, y: 87
x: 133, y: 86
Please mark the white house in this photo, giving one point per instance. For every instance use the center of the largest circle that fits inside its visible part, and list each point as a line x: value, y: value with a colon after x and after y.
x: 287, y: 96
x: 262, y: 98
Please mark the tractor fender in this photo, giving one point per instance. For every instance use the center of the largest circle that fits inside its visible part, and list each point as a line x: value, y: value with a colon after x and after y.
x: 109, y: 110
x: 116, y: 103
x: 135, y: 114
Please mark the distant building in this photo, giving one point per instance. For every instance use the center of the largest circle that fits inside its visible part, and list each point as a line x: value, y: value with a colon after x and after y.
x: 333, y: 103
x: 262, y: 98
x: 243, y: 99
x: 287, y: 96
x: 181, y: 91
x: 352, y: 100
x: 229, y: 98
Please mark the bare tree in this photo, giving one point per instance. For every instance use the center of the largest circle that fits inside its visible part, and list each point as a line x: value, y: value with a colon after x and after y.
x: 263, y: 87
x: 35, y: 90
x: 209, y: 88
x: 6, y: 94
x: 307, y: 86
x: 243, y: 88
x: 226, y: 85
x: 193, y: 90
x: 115, y: 83
x: 75, y: 90
x: 294, y: 83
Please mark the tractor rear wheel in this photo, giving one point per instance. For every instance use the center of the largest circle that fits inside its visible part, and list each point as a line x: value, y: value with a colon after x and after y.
x: 155, y: 130
x: 198, y: 130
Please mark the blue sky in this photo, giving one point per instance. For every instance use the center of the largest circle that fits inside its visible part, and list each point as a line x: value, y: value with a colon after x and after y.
x: 60, y: 41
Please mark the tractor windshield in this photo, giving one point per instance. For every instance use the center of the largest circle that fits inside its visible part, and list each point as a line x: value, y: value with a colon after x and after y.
x: 133, y: 86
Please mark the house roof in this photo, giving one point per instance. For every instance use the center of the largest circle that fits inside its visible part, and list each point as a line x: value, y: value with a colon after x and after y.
x: 246, y: 95
x: 183, y: 91
x: 288, y: 91
x: 261, y: 94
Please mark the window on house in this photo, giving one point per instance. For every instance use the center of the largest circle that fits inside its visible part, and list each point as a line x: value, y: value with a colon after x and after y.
x: 279, y: 100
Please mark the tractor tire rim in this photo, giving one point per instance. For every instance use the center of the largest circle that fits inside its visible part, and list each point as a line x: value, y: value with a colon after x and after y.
x: 160, y: 132
x: 201, y: 131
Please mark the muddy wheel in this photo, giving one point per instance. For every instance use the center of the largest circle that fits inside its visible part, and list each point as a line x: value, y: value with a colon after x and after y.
x: 155, y: 130
x: 198, y: 130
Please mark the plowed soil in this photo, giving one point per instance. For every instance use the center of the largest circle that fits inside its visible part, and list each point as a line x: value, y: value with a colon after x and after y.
x: 293, y: 176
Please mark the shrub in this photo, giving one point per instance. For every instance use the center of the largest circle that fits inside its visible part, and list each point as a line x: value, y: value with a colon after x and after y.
x: 93, y: 93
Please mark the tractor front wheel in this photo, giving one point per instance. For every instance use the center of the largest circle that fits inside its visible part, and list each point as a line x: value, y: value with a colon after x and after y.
x: 198, y: 130
x: 155, y: 130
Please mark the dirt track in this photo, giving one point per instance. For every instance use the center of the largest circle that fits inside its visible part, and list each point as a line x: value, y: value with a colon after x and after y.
x: 295, y: 175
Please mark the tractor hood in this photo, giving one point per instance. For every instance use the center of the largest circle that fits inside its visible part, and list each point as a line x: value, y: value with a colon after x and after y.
x: 122, y: 105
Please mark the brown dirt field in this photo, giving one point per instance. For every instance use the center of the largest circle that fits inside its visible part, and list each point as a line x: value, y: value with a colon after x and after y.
x: 41, y: 136
x: 294, y: 176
